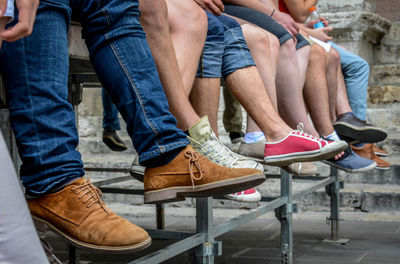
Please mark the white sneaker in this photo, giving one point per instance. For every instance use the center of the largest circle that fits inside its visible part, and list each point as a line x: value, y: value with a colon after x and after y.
x: 204, y: 141
x: 248, y: 196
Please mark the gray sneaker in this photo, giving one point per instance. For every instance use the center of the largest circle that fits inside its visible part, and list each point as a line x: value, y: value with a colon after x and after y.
x: 204, y: 141
x: 253, y: 150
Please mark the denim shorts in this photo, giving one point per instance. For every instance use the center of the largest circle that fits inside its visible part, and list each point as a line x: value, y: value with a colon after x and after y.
x: 225, y: 50
x: 265, y: 22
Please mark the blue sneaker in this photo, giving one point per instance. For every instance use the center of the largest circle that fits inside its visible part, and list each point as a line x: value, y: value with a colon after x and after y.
x: 351, y: 162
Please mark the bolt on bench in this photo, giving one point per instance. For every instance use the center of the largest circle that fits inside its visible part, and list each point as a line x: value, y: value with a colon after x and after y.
x: 202, y: 242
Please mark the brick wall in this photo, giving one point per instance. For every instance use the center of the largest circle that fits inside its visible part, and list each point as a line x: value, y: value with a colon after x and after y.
x: 389, y: 9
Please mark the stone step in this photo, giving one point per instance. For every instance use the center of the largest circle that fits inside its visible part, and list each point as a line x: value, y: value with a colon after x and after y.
x: 388, y: 53
x: 384, y: 94
x: 364, y: 197
x: 393, y: 34
x: 385, y: 116
x: 386, y: 74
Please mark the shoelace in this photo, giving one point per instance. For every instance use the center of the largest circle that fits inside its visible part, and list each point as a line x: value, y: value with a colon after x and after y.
x: 92, y: 193
x: 218, y: 152
x: 300, y: 131
x: 193, y: 159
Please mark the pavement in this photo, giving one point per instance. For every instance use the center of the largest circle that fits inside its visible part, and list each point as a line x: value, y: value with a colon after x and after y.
x: 374, y: 238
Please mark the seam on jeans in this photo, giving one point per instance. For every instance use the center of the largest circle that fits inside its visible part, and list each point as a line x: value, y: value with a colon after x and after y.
x: 30, y: 112
x: 113, y: 48
x: 233, y: 32
x: 247, y: 62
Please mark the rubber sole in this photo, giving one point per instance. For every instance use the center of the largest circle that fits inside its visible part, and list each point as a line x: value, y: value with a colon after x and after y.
x: 323, y: 154
x: 229, y: 186
x: 363, y: 134
x: 368, y: 168
x: 44, y: 225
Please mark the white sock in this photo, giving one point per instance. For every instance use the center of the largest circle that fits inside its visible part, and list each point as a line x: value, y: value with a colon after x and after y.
x: 333, y: 137
x: 254, y: 137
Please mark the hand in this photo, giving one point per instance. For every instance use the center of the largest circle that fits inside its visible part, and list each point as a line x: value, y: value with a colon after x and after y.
x: 326, y: 22
x: 322, y: 33
x: 215, y: 7
x: 26, y: 18
x: 287, y: 22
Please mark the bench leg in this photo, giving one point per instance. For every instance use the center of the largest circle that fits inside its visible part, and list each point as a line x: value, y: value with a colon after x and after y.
x: 334, y: 219
x: 204, y: 254
x: 284, y: 215
x: 160, y: 216
x: 73, y: 254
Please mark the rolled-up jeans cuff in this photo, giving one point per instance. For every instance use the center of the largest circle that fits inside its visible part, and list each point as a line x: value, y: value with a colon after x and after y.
x: 236, y: 54
x: 211, y: 60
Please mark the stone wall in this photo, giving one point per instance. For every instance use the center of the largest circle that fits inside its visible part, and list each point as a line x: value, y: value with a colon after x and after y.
x: 389, y: 9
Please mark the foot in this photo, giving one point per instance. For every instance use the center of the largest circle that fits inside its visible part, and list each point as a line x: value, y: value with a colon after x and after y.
x: 203, y: 140
x: 300, y: 147
x: 112, y: 140
x: 191, y: 174
x: 302, y: 169
x: 378, y: 151
x: 253, y: 150
x: 78, y: 214
x: 349, y: 126
x: 247, y: 196
x: 367, y: 151
x: 351, y: 162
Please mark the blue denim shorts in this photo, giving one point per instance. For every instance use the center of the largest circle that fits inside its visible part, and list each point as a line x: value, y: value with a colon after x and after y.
x: 225, y: 50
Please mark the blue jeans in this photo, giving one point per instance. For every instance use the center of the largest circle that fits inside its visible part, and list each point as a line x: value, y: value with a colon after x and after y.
x: 110, y: 113
x: 225, y: 50
x: 356, y: 73
x: 36, y: 82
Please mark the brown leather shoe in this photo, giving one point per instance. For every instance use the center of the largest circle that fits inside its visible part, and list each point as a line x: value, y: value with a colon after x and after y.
x: 191, y: 174
x: 367, y: 151
x: 378, y: 151
x: 79, y: 215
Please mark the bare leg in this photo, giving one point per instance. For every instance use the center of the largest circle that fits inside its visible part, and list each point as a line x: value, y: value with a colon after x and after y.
x: 332, y: 79
x: 289, y: 90
x: 154, y: 19
x: 188, y: 25
x: 257, y: 102
x: 205, y: 99
x: 264, y: 48
x: 342, y: 101
x: 303, y: 56
x: 316, y: 91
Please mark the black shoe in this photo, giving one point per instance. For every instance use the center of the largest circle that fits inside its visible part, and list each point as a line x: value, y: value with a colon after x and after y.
x: 236, y: 137
x: 349, y: 126
x: 112, y: 140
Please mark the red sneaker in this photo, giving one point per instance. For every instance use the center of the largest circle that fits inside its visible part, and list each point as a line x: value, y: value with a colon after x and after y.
x: 247, y: 196
x: 299, y: 147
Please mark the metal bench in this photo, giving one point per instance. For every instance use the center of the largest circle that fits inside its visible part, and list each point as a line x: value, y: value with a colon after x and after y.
x: 202, y: 242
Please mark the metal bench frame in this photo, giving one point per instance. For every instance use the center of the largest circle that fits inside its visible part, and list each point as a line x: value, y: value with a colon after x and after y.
x: 202, y: 243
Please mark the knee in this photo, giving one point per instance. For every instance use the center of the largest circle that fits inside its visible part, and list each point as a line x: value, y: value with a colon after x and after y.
x: 288, y: 48
x: 186, y: 17
x: 154, y: 15
x: 274, y: 42
x: 334, y: 57
x: 255, y: 36
x: 317, y: 53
